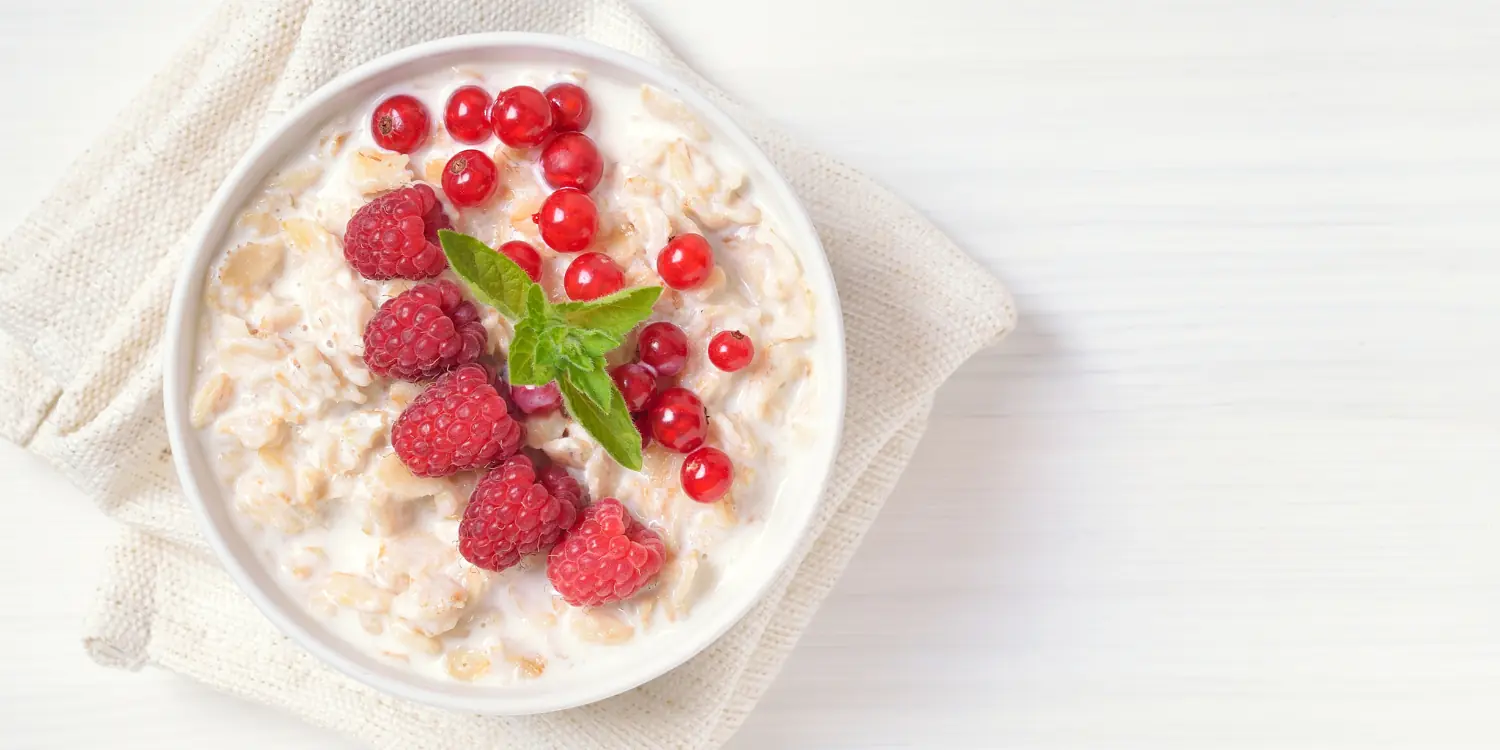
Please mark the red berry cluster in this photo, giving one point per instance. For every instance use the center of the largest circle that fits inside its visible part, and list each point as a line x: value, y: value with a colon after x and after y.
x: 522, y: 118
x: 674, y: 416
x: 571, y: 164
x: 468, y: 419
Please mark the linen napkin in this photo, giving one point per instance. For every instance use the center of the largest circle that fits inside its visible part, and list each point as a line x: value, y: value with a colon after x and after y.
x: 81, y: 358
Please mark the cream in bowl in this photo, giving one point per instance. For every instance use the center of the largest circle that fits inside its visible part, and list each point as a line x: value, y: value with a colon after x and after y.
x: 512, y: 374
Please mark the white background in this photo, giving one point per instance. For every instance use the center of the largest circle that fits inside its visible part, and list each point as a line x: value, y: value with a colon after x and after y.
x: 1235, y: 481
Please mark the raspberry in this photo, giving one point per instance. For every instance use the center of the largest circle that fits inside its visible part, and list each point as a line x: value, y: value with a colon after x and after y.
x: 514, y: 512
x: 560, y: 483
x: 395, y: 235
x: 458, y: 424
x: 424, y: 332
x: 607, y: 557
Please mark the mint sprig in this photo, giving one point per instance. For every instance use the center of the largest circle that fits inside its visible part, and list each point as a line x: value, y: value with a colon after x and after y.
x: 595, y: 385
x: 615, y: 314
x: 494, y: 279
x: 565, y: 342
x: 610, y: 425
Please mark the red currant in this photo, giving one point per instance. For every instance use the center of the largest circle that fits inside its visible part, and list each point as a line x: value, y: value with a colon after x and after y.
x: 469, y: 178
x: 591, y: 276
x: 525, y: 256
x: 730, y: 350
x: 678, y: 421
x: 570, y: 106
x: 399, y: 123
x: 686, y: 261
x: 572, y: 160
x: 642, y: 422
x: 637, y: 383
x: 706, y: 474
x: 522, y: 117
x: 663, y: 347
x: 536, y: 400
x: 568, y: 220
x: 467, y: 115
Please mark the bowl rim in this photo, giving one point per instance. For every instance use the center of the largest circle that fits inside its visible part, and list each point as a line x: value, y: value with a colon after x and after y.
x: 178, y: 367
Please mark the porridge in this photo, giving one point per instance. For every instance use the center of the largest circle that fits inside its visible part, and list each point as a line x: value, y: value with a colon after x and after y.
x: 504, y: 370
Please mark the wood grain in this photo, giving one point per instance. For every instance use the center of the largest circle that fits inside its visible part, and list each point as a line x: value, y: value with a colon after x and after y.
x: 1232, y: 484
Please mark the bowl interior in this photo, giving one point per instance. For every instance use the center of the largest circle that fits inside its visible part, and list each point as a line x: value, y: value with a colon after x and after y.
x: 645, y: 657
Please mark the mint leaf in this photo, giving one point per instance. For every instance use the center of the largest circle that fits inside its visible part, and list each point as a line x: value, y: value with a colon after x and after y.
x: 595, y: 384
x: 584, y: 349
x: 614, y: 315
x: 493, y: 278
x: 596, y: 343
x: 611, y: 427
x: 549, y: 347
x: 565, y: 342
x: 538, y: 359
x: 546, y: 359
x: 571, y: 352
x: 537, y: 309
x: 521, y: 360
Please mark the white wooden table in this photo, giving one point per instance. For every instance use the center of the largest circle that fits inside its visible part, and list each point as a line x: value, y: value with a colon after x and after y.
x: 1234, y: 483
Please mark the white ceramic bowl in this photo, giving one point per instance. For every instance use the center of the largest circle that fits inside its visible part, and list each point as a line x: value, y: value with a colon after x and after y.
x: 646, y: 656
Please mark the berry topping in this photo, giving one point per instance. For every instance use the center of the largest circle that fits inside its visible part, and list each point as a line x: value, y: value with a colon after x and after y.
x: 663, y: 347
x: 458, y: 424
x: 560, y: 483
x: 395, y: 235
x: 685, y: 262
x: 591, y: 276
x: 678, y: 421
x: 536, y: 400
x: 514, y: 512
x: 570, y: 107
x: 424, y: 332
x: 399, y: 123
x: 522, y: 117
x: 525, y: 256
x: 706, y: 474
x: 606, y: 558
x: 642, y: 422
x: 568, y: 220
x: 730, y: 350
x: 467, y: 115
x: 637, y: 383
x: 469, y: 178
x: 572, y: 160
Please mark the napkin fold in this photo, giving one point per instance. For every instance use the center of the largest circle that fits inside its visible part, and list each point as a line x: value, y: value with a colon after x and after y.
x: 81, y: 357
